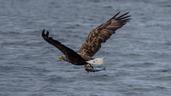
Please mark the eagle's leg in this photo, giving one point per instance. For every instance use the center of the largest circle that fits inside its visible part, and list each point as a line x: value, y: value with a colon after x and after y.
x: 89, y: 68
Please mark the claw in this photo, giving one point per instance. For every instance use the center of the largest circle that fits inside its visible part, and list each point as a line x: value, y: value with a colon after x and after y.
x: 90, y: 68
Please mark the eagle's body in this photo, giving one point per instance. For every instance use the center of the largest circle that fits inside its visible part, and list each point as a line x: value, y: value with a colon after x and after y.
x: 92, y: 44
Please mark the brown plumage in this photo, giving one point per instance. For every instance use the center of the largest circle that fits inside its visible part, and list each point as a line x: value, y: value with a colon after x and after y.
x: 102, y: 33
x: 93, y: 42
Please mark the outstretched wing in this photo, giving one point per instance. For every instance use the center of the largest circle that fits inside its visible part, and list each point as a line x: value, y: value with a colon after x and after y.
x: 70, y: 54
x: 102, y: 33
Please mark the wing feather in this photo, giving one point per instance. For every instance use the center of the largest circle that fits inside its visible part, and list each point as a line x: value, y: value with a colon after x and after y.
x: 102, y: 33
x: 70, y: 54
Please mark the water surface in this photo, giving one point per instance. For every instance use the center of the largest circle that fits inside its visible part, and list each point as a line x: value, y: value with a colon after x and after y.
x: 137, y: 57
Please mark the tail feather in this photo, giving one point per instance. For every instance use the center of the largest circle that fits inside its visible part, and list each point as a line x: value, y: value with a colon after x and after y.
x: 96, y: 61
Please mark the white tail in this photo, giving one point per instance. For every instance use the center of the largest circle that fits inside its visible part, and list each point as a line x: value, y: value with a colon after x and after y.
x: 96, y: 61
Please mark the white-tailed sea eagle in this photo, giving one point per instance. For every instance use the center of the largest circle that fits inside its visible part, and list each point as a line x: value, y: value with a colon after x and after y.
x: 92, y: 43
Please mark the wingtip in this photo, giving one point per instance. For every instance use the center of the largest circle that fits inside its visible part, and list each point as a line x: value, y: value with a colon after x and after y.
x: 47, y: 33
x: 43, y: 32
x: 123, y: 16
x: 116, y: 14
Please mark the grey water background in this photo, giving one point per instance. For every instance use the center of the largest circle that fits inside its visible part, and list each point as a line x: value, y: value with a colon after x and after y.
x: 137, y: 57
